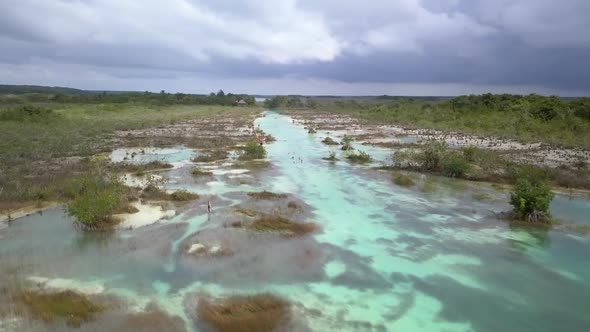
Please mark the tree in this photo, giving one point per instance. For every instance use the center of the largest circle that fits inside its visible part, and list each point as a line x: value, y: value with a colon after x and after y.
x: 531, y: 199
x: 220, y: 93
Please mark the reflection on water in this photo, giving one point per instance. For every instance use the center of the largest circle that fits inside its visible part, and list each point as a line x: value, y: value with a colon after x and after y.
x: 387, y: 259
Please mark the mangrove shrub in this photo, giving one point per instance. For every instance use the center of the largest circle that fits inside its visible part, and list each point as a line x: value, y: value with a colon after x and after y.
x: 531, y: 199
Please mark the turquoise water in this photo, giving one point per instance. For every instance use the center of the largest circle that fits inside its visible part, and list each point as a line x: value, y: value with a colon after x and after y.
x: 387, y: 259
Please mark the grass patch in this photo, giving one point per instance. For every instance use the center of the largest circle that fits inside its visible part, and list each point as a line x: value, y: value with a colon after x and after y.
x: 141, y: 168
x: 183, y: 196
x: 279, y: 224
x: 260, y: 313
x: 246, y: 212
x: 359, y: 157
x: 212, y: 156
x: 266, y: 195
x: 70, y: 306
x: 199, y: 172
x: 153, y: 193
x: 404, y: 181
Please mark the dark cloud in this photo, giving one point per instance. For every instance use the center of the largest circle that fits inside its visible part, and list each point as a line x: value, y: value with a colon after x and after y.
x: 537, y: 44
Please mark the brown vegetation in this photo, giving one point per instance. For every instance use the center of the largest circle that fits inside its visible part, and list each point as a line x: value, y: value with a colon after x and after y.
x: 266, y: 195
x: 210, y: 157
x: 70, y: 306
x: 260, y: 313
x: 278, y: 224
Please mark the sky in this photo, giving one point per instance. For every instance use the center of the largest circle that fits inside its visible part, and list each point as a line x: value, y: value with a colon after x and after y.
x: 312, y: 47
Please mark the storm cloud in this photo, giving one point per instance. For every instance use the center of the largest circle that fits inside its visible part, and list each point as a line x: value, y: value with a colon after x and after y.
x: 299, y: 46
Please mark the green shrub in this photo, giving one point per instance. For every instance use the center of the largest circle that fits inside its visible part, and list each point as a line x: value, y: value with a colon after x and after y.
x: 360, y: 157
x: 95, y: 199
x: 347, y: 143
x: 455, y: 165
x: 471, y: 153
x: 253, y: 150
x: 433, y: 154
x: 27, y: 113
x: 531, y: 199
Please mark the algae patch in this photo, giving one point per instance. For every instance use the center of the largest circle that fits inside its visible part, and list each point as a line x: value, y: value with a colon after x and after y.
x: 261, y: 313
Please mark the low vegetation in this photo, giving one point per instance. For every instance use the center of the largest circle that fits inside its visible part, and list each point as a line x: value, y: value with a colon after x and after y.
x: 329, y: 141
x: 94, y: 200
x: 260, y: 313
x: 154, y: 193
x: 473, y: 163
x: 404, y: 180
x: 141, y: 168
x: 212, y: 156
x: 331, y: 157
x: 266, y: 195
x: 278, y: 224
x: 253, y: 150
x: 528, y: 118
x: 359, y: 157
x: 199, y: 172
x: 72, y: 307
x: 347, y: 143
x: 531, y: 199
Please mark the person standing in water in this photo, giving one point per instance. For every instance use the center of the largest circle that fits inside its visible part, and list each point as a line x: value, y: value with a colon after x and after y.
x: 208, y: 206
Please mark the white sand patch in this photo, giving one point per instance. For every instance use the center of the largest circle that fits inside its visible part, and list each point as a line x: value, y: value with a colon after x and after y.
x: 215, y: 250
x: 196, y: 248
x: 147, y: 215
x: 57, y: 284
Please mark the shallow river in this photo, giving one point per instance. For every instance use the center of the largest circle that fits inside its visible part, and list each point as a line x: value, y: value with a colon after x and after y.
x: 387, y: 258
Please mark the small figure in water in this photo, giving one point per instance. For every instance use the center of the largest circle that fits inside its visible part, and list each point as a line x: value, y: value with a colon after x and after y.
x: 208, y: 206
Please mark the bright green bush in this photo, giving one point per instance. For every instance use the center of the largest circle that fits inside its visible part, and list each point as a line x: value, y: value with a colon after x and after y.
x: 455, y: 165
x: 96, y: 197
x: 531, y: 199
x: 253, y: 150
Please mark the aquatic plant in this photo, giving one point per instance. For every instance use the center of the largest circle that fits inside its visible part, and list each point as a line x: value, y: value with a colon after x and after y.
x: 279, y: 224
x: 404, y: 180
x: 266, y: 195
x: 70, y: 306
x: 347, y: 143
x: 329, y: 141
x: 96, y: 198
x: 260, y: 313
x: 331, y: 157
x: 199, y: 172
x: 531, y: 199
x: 246, y: 212
x: 360, y: 157
x: 253, y: 150
x: 211, y: 156
x: 183, y: 196
x: 141, y: 168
